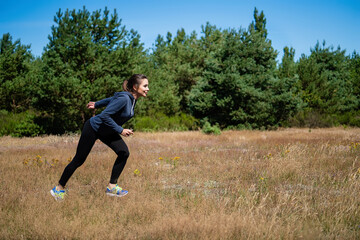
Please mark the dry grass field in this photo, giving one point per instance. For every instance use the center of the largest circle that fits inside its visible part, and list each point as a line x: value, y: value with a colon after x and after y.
x: 285, y: 184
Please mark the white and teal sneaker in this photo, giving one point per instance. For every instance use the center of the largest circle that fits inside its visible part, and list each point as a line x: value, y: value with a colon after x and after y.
x: 58, y: 195
x: 116, y: 191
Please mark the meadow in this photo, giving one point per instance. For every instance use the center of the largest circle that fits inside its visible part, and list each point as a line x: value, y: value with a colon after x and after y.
x: 284, y: 184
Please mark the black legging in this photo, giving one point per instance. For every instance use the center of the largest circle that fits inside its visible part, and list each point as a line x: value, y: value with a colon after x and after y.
x: 86, y: 142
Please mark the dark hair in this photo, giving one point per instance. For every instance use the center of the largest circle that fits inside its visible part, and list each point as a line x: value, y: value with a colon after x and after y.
x: 134, y: 80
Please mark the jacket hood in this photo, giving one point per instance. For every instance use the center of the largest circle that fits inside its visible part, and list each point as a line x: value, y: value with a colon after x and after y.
x: 118, y: 94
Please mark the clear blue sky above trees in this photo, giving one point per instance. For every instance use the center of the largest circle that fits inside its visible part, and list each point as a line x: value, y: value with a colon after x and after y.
x: 297, y: 24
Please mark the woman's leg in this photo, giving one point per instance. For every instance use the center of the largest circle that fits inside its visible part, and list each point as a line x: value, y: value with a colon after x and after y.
x: 86, y: 142
x: 117, y: 144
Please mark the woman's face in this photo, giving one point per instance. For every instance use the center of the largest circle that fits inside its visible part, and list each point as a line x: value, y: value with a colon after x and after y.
x: 143, y: 88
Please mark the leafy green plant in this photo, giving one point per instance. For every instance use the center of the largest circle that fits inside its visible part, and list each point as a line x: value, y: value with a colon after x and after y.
x: 162, y: 122
x: 8, y: 122
x: 208, y: 129
x: 27, y: 128
x: 19, y: 124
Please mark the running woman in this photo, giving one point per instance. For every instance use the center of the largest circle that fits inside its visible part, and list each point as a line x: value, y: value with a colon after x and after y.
x: 106, y: 126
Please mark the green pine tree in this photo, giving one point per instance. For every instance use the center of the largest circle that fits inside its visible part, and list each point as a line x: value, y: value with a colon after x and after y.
x: 325, y: 80
x: 239, y: 87
x: 15, y: 60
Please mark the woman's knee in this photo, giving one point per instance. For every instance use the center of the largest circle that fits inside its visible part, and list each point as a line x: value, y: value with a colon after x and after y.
x: 124, y: 154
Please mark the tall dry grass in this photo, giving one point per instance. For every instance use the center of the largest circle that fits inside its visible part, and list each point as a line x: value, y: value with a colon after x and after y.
x: 286, y: 184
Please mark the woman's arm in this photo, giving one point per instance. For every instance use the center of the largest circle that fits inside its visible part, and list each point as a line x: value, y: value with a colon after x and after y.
x: 102, y: 103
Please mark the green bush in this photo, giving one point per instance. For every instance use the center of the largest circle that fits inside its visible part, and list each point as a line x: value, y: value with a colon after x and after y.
x: 208, y: 129
x: 355, y: 121
x: 315, y: 119
x: 161, y: 122
x: 312, y: 119
x: 7, y: 122
x: 349, y: 118
x: 27, y: 128
x: 18, y: 124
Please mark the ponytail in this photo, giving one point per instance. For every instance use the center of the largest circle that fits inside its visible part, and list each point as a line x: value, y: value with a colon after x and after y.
x: 125, y: 86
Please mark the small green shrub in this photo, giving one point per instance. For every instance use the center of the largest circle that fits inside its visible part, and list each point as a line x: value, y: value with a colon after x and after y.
x: 314, y: 119
x: 161, y: 122
x: 18, y: 124
x: 208, y: 129
x: 355, y: 121
x: 349, y: 118
x: 310, y: 118
x: 245, y: 126
x: 26, y: 128
x: 8, y: 122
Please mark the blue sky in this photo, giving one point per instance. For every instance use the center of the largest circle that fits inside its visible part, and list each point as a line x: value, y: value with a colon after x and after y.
x: 297, y: 24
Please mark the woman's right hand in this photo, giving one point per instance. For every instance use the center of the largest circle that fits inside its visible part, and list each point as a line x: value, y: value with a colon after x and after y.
x: 127, y: 132
x: 91, y: 105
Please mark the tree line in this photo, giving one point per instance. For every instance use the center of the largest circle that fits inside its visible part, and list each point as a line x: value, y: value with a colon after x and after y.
x: 227, y: 78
